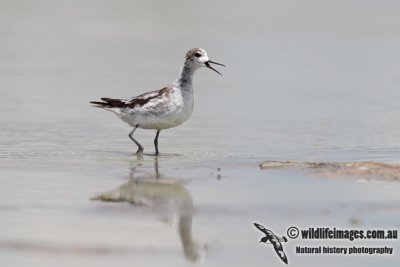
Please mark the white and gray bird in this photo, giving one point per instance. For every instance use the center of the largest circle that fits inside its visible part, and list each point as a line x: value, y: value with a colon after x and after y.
x: 164, y: 108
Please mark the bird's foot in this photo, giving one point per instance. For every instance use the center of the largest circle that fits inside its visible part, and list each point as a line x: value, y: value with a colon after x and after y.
x: 139, y: 152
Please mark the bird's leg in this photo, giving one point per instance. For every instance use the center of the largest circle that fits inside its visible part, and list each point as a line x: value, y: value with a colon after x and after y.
x: 140, y: 150
x: 156, y: 167
x: 156, y: 141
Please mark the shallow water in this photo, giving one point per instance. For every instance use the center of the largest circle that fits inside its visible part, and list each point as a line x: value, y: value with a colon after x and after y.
x: 293, y: 89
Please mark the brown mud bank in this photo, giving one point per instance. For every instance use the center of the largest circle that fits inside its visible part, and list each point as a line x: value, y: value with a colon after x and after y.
x: 344, y: 170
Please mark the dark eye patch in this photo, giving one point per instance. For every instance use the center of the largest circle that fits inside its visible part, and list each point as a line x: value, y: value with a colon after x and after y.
x: 197, y: 54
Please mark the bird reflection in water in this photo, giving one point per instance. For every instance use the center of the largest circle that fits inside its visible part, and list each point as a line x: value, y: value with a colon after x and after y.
x: 166, y: 194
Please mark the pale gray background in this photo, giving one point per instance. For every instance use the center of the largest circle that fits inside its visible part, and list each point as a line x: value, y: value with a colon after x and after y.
x: 305, y: 80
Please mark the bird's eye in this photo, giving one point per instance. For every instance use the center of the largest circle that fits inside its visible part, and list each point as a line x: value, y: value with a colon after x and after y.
x: 197, y: 54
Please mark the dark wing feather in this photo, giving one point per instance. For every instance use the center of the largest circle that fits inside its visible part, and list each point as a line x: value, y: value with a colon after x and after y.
x: 266, y: 231
x: 140, y: 100
x: 109, y: 103
x: 143, y: 99
x: 279, y: 250
x: 261, y: 228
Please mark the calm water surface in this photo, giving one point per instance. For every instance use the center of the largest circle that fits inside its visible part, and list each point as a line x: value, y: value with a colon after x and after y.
x: 309, y: 80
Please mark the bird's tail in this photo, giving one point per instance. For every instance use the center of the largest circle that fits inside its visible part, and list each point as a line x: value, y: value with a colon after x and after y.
x: 108, y: 103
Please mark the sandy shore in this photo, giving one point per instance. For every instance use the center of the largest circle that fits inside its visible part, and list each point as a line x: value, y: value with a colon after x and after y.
x: 346, y: 170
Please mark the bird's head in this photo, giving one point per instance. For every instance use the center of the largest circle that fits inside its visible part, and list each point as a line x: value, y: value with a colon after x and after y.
x: 264, y: 239
x: 197, y: 58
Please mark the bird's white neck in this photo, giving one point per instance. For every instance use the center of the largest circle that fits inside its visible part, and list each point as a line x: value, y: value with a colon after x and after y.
x: 185, y: 78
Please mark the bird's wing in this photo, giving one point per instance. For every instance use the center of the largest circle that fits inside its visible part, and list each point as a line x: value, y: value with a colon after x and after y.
x: 137, y: 101
x: 263, y: 229
x: 260, y: 227
x: 279, y: 250
x: 143, y: 99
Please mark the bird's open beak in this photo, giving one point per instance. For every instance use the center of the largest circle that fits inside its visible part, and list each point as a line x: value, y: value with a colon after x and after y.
x: 209, y: 66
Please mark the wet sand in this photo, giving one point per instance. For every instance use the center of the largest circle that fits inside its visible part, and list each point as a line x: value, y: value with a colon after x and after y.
x: 345, y: 170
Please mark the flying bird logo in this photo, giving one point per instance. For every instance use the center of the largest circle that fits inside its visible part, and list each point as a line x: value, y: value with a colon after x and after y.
x: 271, y: 238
